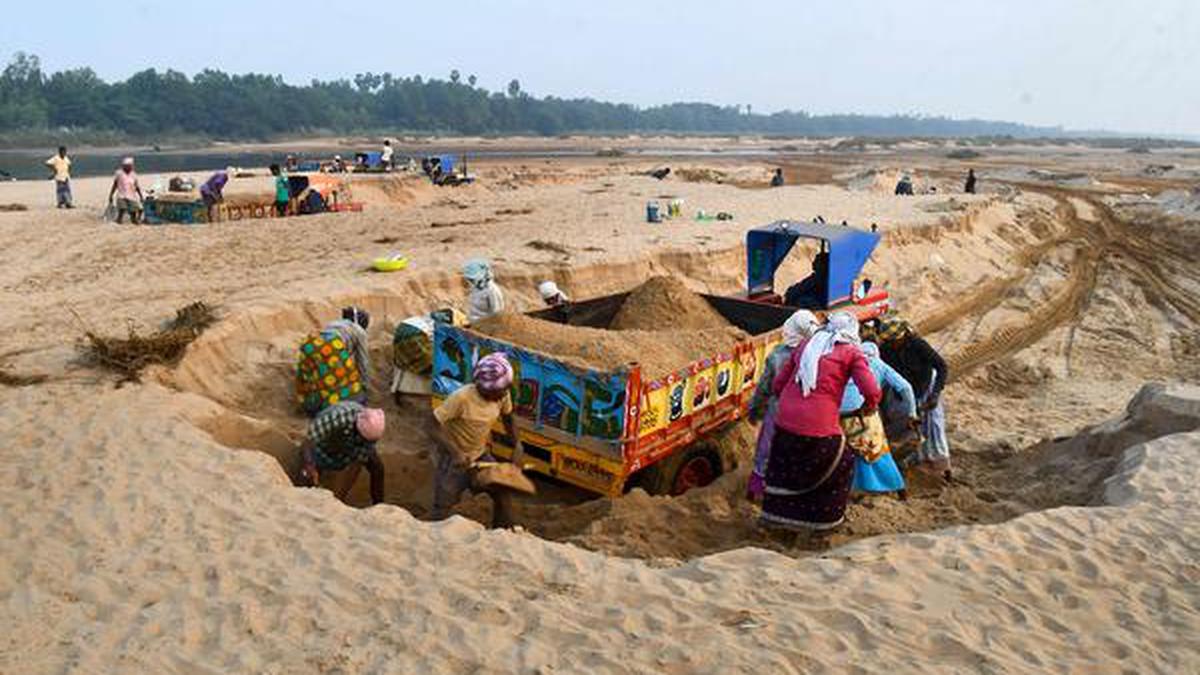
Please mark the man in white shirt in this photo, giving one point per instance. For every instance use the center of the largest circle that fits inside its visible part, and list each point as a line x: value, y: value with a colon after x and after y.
x: 386, y: 158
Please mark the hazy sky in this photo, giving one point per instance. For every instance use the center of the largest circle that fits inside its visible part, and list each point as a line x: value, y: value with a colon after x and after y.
x: 1124, y: 65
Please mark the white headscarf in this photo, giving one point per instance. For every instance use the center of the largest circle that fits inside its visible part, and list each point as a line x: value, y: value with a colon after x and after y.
x: 842, y: 328
x: 799, y: 327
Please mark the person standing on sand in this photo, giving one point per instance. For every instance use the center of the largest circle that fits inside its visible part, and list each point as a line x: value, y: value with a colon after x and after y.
x: 283, y: 191
x: 764, y: 405
x: 969, y: 188
x: 809, y: 472
x: 874, y: 468
x: 60, y: 164
x: 462, y: 432
x: 343, y: 436
x: 212, y: 192
x: 484, y: 297
x: 777, y: 179
x: 128, y: 191
x: 919, y: 363
x: 385, y: 157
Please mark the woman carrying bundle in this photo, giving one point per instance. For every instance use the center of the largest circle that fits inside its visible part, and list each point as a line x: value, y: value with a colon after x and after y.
x: 333, y: 365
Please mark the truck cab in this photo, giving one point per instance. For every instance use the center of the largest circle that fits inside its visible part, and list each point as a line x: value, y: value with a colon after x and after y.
x: 834, y: 283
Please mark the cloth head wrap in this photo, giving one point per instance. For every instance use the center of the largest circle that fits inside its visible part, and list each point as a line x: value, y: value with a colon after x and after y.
x: 549, y: 290
x: 357, y: 315
x: 370, y: 424
x: 478, y: 272
x: 493, y: 373
x: 799, y: 327
x: 894, y: 330
x: 842, y: 328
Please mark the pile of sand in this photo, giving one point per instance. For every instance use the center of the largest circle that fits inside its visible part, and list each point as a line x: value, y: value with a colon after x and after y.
x: 658, y: 352
x: 664, y: 303
x: 662, y: 326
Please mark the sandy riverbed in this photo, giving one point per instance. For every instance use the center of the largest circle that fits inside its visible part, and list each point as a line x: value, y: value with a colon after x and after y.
x: 150, y: 529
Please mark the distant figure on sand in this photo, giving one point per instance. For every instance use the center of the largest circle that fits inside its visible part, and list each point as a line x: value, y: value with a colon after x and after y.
x: 484, y: 297
x: 969, y: 188
x: 334, y: 365
x: 462, y: 434
x: 212, y: 193
x: 764, y: 404
x: 874, y: 468
x: 919, y: 363
x: 810, y: 468
x: 60, y: 166
x: 777, y: 179
x: 905, y: 185
x: 385, y: 157
x: 343, y: 436
x: 283, y: 190
x: 128, y: 191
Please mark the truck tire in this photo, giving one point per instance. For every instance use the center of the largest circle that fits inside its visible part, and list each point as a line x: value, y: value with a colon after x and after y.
x: 694, y: 467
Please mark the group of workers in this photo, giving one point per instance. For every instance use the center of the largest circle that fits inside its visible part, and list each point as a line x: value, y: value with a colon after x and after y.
x: 332, y: 383
x: 827, y: 401
x: 831, y: 400
x: 905, y: 186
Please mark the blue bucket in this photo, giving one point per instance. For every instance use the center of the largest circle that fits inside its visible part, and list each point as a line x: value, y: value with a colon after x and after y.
x: 652, y: 215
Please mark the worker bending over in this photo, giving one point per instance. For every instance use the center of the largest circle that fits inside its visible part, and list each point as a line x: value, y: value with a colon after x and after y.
x: 462, y: 435
x: 343, y: 436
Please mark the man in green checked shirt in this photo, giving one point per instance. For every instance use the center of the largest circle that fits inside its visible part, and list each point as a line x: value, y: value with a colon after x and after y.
x: 343, y: 436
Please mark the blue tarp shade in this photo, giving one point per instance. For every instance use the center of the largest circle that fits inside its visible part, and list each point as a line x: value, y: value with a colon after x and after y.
x: 369, y: 159
x: 768, y: 246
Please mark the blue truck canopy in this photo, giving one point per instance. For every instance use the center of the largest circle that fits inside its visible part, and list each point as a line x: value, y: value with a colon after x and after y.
x: 768, y: 246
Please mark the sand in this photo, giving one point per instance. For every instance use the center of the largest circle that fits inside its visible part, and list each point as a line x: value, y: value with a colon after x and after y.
x: 149, y: 527
x: 657, y: 352
x: 664, y: 303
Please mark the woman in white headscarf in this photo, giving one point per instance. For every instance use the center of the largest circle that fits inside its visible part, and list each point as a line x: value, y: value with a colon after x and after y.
x: 484, y: 297
x: 763, y: 404
x: 809, y: 472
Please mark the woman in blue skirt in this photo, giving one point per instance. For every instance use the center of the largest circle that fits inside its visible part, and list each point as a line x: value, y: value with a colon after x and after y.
x: 874, y: 468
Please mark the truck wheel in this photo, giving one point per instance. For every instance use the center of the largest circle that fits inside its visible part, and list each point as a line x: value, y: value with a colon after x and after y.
x: 695, y: 467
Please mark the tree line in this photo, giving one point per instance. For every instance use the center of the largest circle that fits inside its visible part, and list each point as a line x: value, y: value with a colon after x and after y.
x: 219, y: 105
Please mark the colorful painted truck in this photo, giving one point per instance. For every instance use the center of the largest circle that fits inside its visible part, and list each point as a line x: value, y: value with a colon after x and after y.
x: 607, y: 430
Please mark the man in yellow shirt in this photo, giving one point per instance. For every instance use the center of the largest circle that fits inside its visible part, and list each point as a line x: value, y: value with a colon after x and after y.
x: 60, y: 164
x: 463, y: 434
